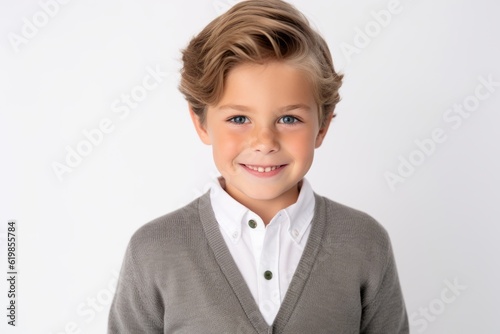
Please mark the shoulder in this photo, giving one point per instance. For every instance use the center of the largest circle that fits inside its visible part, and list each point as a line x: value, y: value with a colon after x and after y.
x: 170, y: 228
x: 354, y: 228
x: 359, y: 245
x: 350, y: 219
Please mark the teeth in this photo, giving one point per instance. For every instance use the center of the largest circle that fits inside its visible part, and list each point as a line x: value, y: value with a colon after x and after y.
x: 262, y: 169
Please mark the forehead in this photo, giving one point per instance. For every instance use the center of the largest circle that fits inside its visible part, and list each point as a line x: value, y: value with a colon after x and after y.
x: 272, y: 83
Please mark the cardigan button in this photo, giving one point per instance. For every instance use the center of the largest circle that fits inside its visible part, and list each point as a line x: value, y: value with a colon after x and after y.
x: 252, y: 223
x: 268, y: 275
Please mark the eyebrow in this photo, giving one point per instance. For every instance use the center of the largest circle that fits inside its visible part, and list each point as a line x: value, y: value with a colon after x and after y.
x: 283, y: 109
x: 233, y: 107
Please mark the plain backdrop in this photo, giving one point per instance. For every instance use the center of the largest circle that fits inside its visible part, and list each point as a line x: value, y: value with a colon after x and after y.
x: 66, y: 69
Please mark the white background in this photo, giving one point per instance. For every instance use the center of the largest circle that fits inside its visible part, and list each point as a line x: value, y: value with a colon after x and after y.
x: 64, y: 79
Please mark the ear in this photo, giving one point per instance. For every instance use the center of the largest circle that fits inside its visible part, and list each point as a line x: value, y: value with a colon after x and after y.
x: 200, y: 127
x: 323, y: 130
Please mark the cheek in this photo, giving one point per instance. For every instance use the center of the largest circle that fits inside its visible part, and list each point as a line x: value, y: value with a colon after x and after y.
x: 301, y: 145
x: 226, y: 150
x: 226, y: 145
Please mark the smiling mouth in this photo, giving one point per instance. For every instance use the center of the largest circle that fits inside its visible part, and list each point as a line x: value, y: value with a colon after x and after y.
x: 262, y: 169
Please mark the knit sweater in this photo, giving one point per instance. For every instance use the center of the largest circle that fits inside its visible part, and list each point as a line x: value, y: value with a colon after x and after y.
x: 179, y: 277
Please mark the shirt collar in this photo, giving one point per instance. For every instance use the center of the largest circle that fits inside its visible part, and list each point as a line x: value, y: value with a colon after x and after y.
x: 230, y: 213
x: 300, y: 213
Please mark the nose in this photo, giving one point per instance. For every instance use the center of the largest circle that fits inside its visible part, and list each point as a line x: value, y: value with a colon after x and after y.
x: 264, y: 140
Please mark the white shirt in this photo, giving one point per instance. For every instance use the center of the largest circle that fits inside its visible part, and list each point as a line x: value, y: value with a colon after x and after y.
x: 276, y: 248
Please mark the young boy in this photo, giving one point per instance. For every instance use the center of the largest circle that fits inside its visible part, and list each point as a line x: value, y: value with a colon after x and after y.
x: 261, y: 252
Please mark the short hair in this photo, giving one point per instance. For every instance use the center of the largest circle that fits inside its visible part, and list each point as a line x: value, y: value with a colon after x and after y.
x: 257, y: 31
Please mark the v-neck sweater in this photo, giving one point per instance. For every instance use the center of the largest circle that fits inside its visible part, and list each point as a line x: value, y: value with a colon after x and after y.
x: 178, y: 276
x: 258, y: 249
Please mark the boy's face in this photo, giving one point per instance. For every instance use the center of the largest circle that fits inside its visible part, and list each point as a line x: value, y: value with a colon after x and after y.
x: 263, y: 132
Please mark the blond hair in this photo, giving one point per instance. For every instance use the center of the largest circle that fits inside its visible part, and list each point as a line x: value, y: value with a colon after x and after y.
x: 256, y: 31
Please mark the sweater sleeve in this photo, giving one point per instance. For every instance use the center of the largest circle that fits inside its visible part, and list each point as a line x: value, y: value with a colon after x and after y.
x: 386, y: 313
x: 133, y: 310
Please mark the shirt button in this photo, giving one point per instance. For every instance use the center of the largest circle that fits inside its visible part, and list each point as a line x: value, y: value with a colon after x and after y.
x: 252, y: 223
x: 268, y: 275
x: 235, y: 235
x: 295, y: 233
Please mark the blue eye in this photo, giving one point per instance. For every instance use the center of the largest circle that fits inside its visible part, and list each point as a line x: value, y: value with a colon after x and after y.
x: 238, y: 119
x: 288, y: 120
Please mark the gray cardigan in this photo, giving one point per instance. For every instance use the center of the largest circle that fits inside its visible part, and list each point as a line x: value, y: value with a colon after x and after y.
x: 178, y: 276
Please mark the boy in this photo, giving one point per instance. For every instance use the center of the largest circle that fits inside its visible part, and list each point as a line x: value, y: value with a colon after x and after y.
x: 261, y: 252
